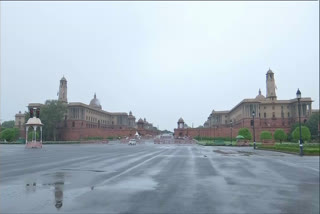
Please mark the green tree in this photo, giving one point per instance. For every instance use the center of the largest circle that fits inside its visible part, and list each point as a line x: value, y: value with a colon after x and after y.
x: 31, y: 135
x: 26, y: 116
x: 313, y: 123
x: 245, y: 133
x: 7, y: 124
x: 51, y: 115
x: 305, y: 133
x: 9, y: 134
x: 265, y: 135
x: 280, y: 135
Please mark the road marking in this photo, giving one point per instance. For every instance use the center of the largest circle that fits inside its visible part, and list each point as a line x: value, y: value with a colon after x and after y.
x: 132, y: 168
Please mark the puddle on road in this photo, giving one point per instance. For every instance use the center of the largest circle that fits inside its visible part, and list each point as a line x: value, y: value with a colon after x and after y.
x: 132, y: 184
x: 56, y: 180
x: 245, y: 153
x: 226, y: 153
x: 89, y: 170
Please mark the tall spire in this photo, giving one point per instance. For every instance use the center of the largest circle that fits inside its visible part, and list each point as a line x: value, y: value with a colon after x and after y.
x: 259, y: 91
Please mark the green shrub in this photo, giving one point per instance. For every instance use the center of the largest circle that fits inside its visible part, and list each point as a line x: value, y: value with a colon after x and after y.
x: 265, y: 135
x: 245, y: 133
x: 94, y: 138
x: 312, y: 123
x: 204, y: 138
x: 31, y: 135
x: 308, y: 148
x: 280, y: 135
x: 305, y: 133
x: 9, y: 134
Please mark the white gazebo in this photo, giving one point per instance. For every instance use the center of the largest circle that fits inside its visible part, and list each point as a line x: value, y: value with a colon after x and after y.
x: 34, y: 123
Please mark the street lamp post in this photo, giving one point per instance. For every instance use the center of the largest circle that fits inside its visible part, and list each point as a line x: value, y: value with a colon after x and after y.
x: 254, y: 135
x: 231, y: 130
x: 300, y: 140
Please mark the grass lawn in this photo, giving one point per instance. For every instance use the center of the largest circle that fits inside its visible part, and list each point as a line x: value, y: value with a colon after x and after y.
x: 221, y: 143
x: 308, y: 148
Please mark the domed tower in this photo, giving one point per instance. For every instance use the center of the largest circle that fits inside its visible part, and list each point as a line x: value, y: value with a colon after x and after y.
x: 271, y: 86
x: 140, y: 124
x: 63, y: 90
x: 95, y: 103
x: 180, y: 123
x: 260, y: 97
x: 131, y: 120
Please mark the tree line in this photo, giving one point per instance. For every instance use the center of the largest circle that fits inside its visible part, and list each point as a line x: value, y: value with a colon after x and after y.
x: 51, y: 115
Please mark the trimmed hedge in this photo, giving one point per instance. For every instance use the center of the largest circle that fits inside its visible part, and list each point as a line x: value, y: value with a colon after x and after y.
x: 265, y: 135
x: 280, y: 135
x: 204, y: 138
x: 245, y: 133
x: 308, y: 148
x: 305, y: 133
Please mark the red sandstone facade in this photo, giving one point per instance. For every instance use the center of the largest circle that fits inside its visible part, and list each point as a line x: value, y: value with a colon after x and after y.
x: 225, y: 130
x: 83, y: 121
x: 270, y: 114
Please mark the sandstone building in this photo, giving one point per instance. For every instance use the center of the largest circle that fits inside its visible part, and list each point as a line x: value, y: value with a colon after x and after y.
x: 82, y: 120
x: 270, y: 114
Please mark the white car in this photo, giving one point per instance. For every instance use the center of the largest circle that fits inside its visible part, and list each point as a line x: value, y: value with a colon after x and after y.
x: 132, y: 142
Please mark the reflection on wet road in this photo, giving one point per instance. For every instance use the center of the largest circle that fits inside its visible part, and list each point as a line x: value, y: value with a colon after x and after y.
x: 156, y: 179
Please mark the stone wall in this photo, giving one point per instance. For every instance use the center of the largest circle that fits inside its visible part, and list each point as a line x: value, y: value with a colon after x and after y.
x: 225, y: 130
x: 79, y: 131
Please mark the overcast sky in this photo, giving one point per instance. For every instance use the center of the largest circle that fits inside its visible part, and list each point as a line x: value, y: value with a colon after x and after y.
x: 161, y: 60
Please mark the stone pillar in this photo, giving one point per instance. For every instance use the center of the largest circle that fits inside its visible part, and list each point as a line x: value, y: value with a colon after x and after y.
x: 27, y: 128
x: 41, y: 134
x: 35, y: 133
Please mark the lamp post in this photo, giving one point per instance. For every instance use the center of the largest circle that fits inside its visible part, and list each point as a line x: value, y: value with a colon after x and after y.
x: 231, y: 130
x: 300, y: 140
x: 254, y: 135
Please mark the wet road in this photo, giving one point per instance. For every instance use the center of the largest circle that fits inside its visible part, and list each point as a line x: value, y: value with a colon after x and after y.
x: 155, y: 179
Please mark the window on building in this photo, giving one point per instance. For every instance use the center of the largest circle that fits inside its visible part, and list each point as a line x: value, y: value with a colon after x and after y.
x: 288, y: 114
x: 265, y: 107
x: 73, y: 124
x: 273, y: 114
x: 282, y: 114
x: 272, y: 107
x: 265, y: 115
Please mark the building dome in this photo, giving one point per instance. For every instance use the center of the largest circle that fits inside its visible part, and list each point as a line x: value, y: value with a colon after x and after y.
x: 130, y: 115
x: 270, y: 71
x: 140, y: 121
x: 95, y: 103
x: 180, y: 120
x: 260, y: 96
x: 63, y: 79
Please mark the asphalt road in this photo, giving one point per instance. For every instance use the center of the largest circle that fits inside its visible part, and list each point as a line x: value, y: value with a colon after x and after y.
x: 155, y: 179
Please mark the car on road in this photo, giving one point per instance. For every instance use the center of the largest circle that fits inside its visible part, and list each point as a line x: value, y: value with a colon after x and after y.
x: 132, y: 142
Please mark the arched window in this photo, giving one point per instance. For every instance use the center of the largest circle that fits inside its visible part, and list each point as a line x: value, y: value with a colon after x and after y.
x: 73, y: 124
